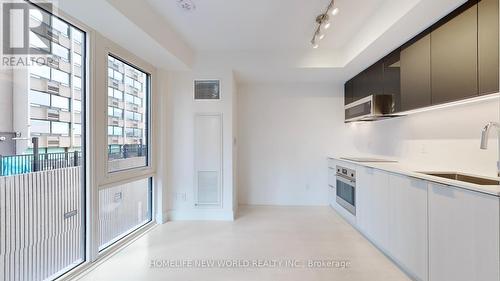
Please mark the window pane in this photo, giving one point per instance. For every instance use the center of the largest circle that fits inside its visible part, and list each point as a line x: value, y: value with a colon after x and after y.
x: 60, y: 26
x: 77, y: 81
x: 118, y: 94
x: 60, y: 51
x: 130, y: 150
x: 40, y: 70
x: 38, y: 41
x: 40, y: 127
x: 117, y: 131
x: 39, y: 98
x: 123, y: 209
x: 59, y: 76
x: 60, y: 102
x: 77, y: 58
x: 60, y: 128
x: 77, y: 129
x: 77, y: 105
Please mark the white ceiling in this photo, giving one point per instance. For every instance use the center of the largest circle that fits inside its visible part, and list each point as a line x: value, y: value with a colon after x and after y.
x: 269, y: 40
x: 261, y: 40
x: 263, y: 24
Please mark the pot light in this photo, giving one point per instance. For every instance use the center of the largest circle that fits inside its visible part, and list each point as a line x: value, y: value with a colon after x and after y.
x: 323, y: 21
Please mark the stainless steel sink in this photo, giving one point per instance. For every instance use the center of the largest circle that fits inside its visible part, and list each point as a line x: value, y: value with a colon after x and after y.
x: 464, y: 177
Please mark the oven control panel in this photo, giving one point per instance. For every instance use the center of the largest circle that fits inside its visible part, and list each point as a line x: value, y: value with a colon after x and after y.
x: 346, y: 172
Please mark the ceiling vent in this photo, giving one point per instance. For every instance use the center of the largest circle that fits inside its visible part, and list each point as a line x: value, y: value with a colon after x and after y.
x: 186, y: 5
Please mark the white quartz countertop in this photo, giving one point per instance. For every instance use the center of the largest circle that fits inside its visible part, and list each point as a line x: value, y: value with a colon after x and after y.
x: 414, y: 172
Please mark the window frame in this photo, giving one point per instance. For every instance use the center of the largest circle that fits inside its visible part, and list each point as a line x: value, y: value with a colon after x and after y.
x: 146, y: 116
x: 88, y: 194
x: 94, y: 142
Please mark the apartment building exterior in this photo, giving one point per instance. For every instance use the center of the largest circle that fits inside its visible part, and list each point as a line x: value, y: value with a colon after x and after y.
x: 45, y: 101
x: 126, y: 108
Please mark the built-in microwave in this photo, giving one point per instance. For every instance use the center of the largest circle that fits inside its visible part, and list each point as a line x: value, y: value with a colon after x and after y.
x: 370, y: 108
x: 346, y: 189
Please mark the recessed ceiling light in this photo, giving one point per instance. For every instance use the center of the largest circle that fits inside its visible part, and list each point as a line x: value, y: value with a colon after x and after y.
x: 187, y: 5
x: 326, y: 25
x: 315, y: 45
x: 335, y: 11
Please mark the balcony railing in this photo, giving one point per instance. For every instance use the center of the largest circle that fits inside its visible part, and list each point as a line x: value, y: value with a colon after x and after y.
x: 22, y: 164
x: 28, y: 163
x: 126, y: 151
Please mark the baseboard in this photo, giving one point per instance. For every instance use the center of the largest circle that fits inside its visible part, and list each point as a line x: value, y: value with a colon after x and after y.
x: 201, y: 214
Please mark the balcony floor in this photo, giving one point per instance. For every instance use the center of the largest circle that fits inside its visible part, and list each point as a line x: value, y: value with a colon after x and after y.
x: 260, y: 233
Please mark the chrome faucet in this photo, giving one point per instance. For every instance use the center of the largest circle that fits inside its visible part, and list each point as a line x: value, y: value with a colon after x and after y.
x: 484, y: 139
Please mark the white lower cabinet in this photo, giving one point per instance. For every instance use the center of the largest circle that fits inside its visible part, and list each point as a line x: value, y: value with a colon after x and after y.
x: 332, y: 185
x: 372, y: 213
x: 434, y: 232
x: 407, y: 225
x: 463, y: 235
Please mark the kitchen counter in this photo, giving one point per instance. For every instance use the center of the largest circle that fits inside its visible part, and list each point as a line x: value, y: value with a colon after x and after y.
x: 398, y: 168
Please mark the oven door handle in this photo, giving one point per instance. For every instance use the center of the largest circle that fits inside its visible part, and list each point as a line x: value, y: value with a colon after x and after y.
x: 345, y: 180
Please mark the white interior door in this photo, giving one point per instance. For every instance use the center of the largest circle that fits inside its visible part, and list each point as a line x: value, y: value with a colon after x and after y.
x: 208, y: 160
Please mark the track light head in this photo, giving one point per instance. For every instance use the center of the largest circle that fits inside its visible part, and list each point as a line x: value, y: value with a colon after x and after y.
x: 324, y: 23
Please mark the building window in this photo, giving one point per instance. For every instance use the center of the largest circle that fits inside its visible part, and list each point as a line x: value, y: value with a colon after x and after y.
x: 40, y: 127
x: 130, y: 151
x: 60, y: 102
x: 39, y: 98
x: 60, y: 128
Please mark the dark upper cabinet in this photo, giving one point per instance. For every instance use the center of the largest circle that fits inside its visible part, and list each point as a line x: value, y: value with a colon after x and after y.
x: 488, y: 46
x: 454, y: 57
x: 368, y: 82
x: 349, y: 92
x: 360, y: 86
x: 375, y: 79
x: 392, y: 79
x: 416, y: 73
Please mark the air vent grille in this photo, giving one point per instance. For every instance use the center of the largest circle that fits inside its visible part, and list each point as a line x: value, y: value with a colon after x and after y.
x: 206, y: 89
x: 52, y: 115
x: 53, y: 89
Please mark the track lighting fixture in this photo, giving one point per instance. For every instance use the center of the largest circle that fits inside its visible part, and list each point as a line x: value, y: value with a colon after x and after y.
x: 324, y: 23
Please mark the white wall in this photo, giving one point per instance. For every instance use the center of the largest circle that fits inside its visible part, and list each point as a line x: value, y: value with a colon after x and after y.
x: 444, y: 139
x: 285, y: 133
x: 178, y: 126
x: 287, y: 130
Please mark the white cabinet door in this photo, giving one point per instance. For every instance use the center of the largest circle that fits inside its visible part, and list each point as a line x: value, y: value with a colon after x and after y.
x: 332, y: 184
x: 372, y: 211
x: 463, y: 235
x: 408, y: 224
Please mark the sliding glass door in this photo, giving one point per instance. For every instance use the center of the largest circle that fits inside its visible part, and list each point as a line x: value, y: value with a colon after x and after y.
x: 42, y: 145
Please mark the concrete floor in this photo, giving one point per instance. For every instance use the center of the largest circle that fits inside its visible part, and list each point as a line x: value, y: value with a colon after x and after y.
x: 258, y: 240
